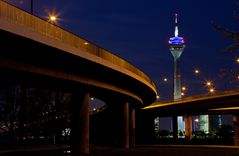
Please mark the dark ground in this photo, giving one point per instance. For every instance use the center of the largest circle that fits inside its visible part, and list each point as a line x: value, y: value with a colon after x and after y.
x: 169, y: 151
x: 154, y: 150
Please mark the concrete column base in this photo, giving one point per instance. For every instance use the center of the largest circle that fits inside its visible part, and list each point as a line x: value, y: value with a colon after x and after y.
x: 188, y: 127
x: 126, y: 125
x: 132, y: 127
x: 80, y: 123
x: 235, y: 121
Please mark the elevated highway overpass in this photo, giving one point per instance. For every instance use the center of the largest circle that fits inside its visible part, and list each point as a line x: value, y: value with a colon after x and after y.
x: 220, y: 103
x: 37, y: 53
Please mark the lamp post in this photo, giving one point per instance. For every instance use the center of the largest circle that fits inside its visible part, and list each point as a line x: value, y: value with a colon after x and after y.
x: 31, y: 7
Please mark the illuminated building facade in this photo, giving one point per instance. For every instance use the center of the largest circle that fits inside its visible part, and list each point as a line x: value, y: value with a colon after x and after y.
x: 204, y: 123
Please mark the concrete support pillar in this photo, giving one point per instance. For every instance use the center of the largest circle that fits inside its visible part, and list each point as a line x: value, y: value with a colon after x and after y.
x: 188, y: 127
x: 80, y: 123
x: 175, y: 127
x: 235, y: 120
x: 126, y: 125
x: 132, y: 127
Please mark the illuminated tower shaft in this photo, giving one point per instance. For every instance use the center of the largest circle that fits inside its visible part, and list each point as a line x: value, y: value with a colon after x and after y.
x: 177, y: 76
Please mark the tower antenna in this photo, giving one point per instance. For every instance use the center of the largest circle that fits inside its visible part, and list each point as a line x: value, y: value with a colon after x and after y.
x: 176, y: 26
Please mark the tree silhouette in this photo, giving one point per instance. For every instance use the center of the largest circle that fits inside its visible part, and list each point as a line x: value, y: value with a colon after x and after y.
x: 28, y: 113
x: 9, y: 110
x: 230, y: 75
x: 230, y: 34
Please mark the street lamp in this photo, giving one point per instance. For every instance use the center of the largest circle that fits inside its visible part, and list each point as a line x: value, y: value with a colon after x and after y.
x: 183, y: 88
x: 196, y: 71
x: 165, y: 79
x: 52, y: 18
x: 212, y: 90
x: 208, y: 83
x: 157, y: 97
x: 237, y: 60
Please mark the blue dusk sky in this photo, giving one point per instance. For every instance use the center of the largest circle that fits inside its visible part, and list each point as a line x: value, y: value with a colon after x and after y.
x: 138, y: 31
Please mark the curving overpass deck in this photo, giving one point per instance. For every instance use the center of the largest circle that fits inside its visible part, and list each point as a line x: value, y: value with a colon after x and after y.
x: 224, y: 102
x: 35, y: 52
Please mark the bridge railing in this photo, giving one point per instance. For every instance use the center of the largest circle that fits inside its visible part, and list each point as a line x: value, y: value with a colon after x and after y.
x: 22, y: 18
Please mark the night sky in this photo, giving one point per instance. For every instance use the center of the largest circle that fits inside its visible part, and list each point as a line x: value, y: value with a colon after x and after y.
x: 138, y: 31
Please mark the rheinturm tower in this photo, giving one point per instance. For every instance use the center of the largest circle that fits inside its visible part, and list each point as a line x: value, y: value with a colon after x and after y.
x: 176, y: 46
